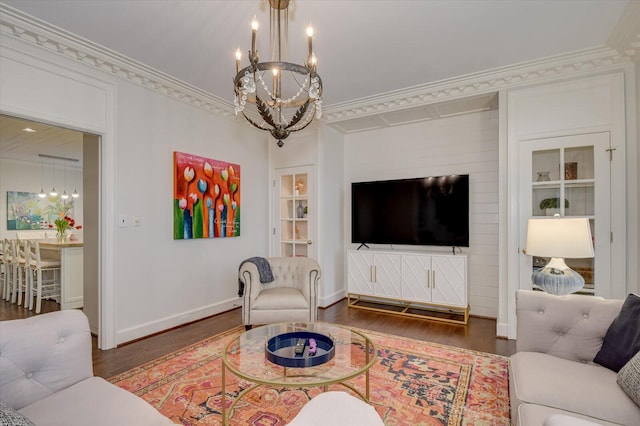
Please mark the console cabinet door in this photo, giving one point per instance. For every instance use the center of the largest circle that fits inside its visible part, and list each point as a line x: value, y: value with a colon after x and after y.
x: 416, y: 277
x: 449, y: 280
x: 360, y: 269
x: 387, y: 275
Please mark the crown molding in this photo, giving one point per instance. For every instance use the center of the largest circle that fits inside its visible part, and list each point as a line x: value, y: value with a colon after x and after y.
x: 19, y: 25
x: 626, y: 35
x: 625, y: 39
x: 582, y: 62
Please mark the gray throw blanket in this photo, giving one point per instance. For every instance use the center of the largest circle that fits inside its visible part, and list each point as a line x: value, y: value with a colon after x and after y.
x: 264, y: 270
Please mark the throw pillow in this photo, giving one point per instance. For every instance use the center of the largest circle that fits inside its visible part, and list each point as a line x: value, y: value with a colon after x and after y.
x: 10, y: 417
x: 629, y: 378
x: 622, y: 340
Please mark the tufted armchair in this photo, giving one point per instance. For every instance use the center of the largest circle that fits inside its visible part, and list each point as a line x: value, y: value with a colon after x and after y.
x: 292, y: 296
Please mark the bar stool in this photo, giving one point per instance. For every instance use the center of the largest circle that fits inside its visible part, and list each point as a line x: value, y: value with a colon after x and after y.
x: 4, y: 268
x: 19, y: 275
x: 44, y: 287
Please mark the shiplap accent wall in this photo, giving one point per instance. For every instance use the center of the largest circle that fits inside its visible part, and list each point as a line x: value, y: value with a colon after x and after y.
x: 466, y: 144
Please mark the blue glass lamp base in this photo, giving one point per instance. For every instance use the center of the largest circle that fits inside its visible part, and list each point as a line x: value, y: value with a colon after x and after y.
x: 558, y: 281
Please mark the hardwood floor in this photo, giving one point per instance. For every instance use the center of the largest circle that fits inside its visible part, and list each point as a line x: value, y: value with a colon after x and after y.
x: 478, y: 334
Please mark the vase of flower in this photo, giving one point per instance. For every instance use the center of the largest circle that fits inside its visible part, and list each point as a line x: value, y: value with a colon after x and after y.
x: 61, y: 236
x: 63, y: 225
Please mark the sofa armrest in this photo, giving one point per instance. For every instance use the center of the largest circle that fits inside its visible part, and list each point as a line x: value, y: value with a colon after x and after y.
x: 571, y: 327
x: 42, y: 355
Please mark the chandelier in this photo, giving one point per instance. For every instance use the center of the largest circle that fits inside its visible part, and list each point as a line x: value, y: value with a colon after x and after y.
x: 286, y: 96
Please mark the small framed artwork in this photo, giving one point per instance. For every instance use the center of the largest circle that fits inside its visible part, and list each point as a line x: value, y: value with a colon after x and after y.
x: 206, y: 197
x: 570, y: 171
x: 26, y: 210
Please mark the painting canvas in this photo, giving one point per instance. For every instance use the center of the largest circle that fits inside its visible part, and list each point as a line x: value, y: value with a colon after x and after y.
x: 206, y: 198
x: 25, y: 210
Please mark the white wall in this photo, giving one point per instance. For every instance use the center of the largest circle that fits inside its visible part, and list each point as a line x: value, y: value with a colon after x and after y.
x: 159, y: 279
x: 31, y: 177
x: 465, y: 144
x: 331, y: 207
x: 149, y: 281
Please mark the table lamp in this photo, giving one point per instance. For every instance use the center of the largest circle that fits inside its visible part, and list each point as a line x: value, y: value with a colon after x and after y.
x: 559, y: 238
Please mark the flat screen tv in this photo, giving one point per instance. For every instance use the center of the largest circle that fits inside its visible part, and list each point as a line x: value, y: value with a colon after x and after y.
x: 430, y: 211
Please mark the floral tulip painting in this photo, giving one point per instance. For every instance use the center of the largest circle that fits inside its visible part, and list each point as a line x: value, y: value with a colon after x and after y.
x: 206, y: 197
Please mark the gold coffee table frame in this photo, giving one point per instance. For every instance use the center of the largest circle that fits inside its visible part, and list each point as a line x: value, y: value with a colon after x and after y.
x: 245, y: 357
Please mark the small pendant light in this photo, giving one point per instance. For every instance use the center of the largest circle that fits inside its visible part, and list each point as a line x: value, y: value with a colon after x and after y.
x: 53, y: 192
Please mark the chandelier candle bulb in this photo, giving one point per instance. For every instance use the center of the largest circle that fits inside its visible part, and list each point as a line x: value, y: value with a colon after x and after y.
x: 254, y: 31
x: 310, y: 40
x: 238, y: 57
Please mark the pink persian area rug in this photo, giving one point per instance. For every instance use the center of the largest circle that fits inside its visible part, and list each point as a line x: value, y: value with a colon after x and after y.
x: 412, y: 383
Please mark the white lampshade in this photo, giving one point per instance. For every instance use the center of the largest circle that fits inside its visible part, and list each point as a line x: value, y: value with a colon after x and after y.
x: 559, y: 237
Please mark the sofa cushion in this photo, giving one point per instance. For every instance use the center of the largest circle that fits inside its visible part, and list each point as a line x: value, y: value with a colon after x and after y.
x: 571, y: 327
x: 336, y: 408
x: 566, y: 420
x: 539, y: 415
x: 94, y: 402
x: 272, y: 299
x: 576, y: 387
x: 43, y: 354
x: 622, y: 340
x: 629, y: 378
x: 9, y: 416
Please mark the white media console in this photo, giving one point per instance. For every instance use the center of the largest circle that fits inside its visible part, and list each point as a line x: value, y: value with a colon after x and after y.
x: 409, y: 283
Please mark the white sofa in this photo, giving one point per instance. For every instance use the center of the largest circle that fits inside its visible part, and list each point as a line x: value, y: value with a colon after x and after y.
x: 291, y: 296
x: 552, y: 375
x: 46, y: 374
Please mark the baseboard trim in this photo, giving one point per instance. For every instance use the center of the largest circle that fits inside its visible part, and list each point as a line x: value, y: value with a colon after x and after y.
x: 146, y: 329
x: 325, y: 302
x: 502, y: 330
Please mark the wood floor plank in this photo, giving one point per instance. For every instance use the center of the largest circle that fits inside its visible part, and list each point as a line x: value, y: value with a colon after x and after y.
x: 479, y: 334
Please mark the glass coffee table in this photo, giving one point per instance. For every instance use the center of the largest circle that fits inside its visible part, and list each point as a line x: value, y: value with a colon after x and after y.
x: 245, y: 357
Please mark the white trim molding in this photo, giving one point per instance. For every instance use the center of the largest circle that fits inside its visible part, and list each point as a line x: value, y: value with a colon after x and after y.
x: 624, y: 47
x: 575, y: 64
x: 15, y: 23
x: 625, y: 37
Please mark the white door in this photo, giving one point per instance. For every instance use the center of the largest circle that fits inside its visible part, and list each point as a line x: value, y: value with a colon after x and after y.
x: 571, y: 176
x: 295, y: 212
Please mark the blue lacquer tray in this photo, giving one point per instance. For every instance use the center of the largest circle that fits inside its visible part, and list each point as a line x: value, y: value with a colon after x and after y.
x: 280, y: 349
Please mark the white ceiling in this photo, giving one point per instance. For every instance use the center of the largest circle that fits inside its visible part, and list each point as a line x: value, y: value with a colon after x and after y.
x: 364, y: 48
x: 18, y: 144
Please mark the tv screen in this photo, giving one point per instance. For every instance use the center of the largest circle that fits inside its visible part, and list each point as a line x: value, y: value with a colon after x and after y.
x: 431, y: 211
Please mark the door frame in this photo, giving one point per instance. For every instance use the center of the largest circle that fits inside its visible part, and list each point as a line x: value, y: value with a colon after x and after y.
x: 312, y: 220
x: 25, y: 100
x: 601, y: 143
